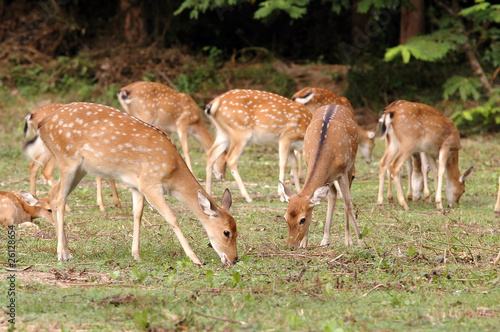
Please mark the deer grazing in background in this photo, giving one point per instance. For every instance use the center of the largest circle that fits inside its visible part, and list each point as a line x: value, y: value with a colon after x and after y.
x: 414, y: 127
x: 22, y: 208
x: 330, y: 147
x: 243, y: 116
x: 106, y: 142
x: 47, y: 162
x: 314, y: 98
x: 172, y: 111
x: 497, y: 205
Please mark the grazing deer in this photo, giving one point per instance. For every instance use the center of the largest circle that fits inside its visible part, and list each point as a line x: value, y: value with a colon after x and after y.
x: 330, y: 147
x: 497, y: 205
x: 172, y: 111
x: 48, y: 163
x: 23, y: 208
x: 413, y: 127
x: 106, y: 142
x: 314, y: 98
x: 242, y: 116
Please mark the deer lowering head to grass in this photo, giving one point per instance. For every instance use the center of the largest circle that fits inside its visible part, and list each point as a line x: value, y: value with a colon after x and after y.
x: 103, y: 141
x: 330, y: 147
x: 242, y: 116
x: 22, y: 208
x: 42, y: 158
x: 414, y: 127
x: 172, y: 111
x: 314, y: 98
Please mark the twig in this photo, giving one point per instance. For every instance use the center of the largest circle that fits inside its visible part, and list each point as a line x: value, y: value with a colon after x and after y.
x: 333, y: 260
x: 222, y: 319
x: 371, y: 290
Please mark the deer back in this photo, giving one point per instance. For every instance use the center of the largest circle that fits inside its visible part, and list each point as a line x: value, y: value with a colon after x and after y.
x: 158, y: 104
x: 260, y: 113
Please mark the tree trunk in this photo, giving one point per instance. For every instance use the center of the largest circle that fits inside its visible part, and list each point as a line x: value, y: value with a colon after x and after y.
x: 477, y: 68
x: 412, y: 21
x: 134, y: 22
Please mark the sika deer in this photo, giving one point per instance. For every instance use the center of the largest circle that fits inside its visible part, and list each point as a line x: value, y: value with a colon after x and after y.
x: 23, y: 208
x: 44, y: 159
x: 171, y: 110
x: 314, y: 98
x: 243, y: 116
x: 330, y: 147
x: 413, y: 127
x: 106, y: 142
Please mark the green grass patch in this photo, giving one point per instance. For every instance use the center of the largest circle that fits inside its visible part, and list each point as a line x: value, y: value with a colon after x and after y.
x: 420, y: 270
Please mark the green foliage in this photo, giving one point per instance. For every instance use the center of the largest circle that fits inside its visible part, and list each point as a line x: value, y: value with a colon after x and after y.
x: 430, y: 47
x: 365, y: 5
x: 294, y: 8
x: 481, y: 118
x: 465, y: 86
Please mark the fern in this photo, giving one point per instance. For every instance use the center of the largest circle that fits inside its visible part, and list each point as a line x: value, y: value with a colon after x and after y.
x: 431, y: 47
x: 465, y: 86
x: 294, y: 8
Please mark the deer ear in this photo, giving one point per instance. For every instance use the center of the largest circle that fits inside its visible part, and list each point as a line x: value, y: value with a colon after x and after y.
x: 205, y: 205
x: 29, y: 199
x: 287, y: 193
x: 319, y: 195
x: 467, y: 174
x: 227, y: 200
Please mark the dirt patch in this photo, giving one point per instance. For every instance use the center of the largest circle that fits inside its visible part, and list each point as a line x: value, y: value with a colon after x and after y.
x: 64, y: 278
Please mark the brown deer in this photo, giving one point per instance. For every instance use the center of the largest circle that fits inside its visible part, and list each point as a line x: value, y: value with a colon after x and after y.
x: 330, y: 147
x: 314, y: 98
x: 413, y: 127
x: 22, y: 208
x: 172, y: 111
x: 243, y: 116
x: 106, y: 142
x: 47, y: 162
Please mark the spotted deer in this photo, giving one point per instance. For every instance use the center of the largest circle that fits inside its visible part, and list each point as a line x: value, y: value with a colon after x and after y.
x: 47, y: 162
x: 171, y: 110
x: 243, y: 116
x: 106, y: 142
x: 314, y: 98
x: 414, y: 127
x: 330, y: 147
x: 23, y: 208
x: 497, y: 205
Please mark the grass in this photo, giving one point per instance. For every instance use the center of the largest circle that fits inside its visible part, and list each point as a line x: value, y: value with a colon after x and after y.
x: 421, y: 270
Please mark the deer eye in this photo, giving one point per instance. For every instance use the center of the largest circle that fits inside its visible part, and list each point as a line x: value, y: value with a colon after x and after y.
x: 227, y: 233
x: 49, y: 210
x: 302, y: 221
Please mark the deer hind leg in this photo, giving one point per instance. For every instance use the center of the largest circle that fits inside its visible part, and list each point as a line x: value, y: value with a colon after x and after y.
x: 116, y: 198
x: 48, y: 169
x: 409, y: 167
x: 348, y: 210
x: 284, y: 151
x: 434, y: 170
x: 232, y: 156
x: 218, y: 148
x: 157, y: 200
x: 395, y: 169
x: 99, y: 193
x: 182, y: 131
x: 34, y: 167
x: 58, y: 195
x: 390, y: 151
x: 332, y: 199
x: 138, y: 209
